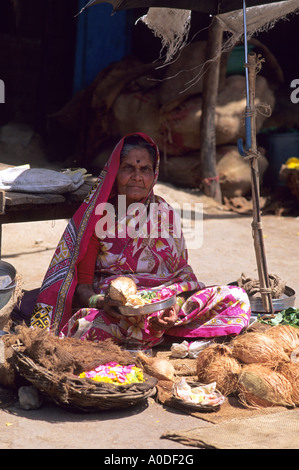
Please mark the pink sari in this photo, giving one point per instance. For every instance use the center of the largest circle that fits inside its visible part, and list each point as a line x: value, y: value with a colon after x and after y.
x: 151, y: 261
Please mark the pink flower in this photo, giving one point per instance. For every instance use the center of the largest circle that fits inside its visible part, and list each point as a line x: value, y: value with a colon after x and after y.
x: 111, y: 364
x: 111, y: 372
x: 91, y: 374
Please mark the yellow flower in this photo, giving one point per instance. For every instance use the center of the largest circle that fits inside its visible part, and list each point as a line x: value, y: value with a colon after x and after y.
x: 293, y: 162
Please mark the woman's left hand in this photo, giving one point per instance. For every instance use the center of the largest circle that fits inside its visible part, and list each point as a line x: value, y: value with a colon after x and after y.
x: 165, y: 319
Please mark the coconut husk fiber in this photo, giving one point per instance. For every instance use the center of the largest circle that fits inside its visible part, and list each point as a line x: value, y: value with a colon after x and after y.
x: 290, y: 371
x: 9, y: 377
x: 258, y: 348
x: 259, y: 387
x: 216, y: 364
x: 67, y: 355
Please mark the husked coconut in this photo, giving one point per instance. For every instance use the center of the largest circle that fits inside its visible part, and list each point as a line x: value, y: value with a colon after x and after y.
x: 216, y: 364
x: 260, y: 387
x: 256, y: 347
x: 290, y: 370
x: 286, y: 335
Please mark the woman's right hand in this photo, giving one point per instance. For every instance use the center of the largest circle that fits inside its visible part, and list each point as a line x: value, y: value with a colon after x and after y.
x: 165, y: 319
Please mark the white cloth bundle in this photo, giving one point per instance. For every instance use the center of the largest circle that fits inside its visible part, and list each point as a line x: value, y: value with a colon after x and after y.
x: 39, y: 180
x: 192, y: 349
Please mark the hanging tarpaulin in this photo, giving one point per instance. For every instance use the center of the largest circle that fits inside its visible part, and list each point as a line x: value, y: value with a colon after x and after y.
x: 258, y: 18
x: 172, y: 25
x: 214, y: 7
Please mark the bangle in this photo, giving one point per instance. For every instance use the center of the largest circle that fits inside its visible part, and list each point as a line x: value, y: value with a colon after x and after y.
x: 92, y: 301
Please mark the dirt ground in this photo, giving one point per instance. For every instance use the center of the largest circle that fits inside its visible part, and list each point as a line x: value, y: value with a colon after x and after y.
x: 226, y: 251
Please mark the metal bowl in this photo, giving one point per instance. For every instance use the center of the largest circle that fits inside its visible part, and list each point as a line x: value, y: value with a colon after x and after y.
x: 148, y: 308
x: 285, y: 301
x: 6, y: 269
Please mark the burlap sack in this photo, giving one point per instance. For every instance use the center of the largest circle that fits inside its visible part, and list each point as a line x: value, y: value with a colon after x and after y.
x: 180, y: 122
x: 185, y: 75
x: 137, y: 111
x: 233, y: 170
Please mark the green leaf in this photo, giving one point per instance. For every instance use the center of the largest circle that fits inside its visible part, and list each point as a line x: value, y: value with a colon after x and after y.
x: 289, y: 316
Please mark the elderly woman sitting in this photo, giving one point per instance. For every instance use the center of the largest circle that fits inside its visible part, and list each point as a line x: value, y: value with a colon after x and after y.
x: 96, y: 248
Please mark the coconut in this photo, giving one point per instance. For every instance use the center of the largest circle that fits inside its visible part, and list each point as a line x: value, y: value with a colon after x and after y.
x: 260, y: 387
x: 290, y: 370
x: 216, y: 364
x: 157, y: 367
x: 286, y: 335
x: 257, y: 347
x: 121, y: 288
x: 294, y: 355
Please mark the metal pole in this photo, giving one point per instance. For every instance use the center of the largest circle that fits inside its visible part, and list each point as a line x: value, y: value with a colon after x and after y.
x: 247, y: 110
x: 246, y: 52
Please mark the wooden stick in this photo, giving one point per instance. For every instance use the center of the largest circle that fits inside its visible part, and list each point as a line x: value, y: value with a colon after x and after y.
x: 210, y: 180
x: 257, y: 224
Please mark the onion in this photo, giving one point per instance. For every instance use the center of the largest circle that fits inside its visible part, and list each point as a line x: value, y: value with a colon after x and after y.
x: 216, y: 364
x: 121, y: 288
x: 286, y: 335
x: 256, y: 347
x: 157, y: 367
x: 260, y: 386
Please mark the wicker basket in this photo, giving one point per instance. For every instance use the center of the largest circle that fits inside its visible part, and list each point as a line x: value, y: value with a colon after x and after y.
x: 192, y: 407
x: 82, y: 394
x: 291, y: 177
